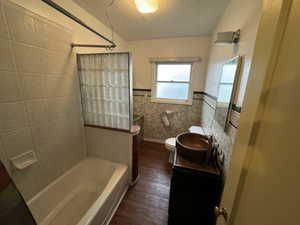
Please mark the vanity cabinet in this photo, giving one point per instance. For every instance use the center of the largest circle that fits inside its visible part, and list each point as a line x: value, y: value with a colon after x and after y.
x: 195, y: 191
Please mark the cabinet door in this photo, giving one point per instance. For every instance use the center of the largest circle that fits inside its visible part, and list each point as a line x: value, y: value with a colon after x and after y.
x: 193, y: 196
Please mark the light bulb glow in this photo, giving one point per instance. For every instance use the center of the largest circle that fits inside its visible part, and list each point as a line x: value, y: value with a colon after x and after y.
x: 146, y: 6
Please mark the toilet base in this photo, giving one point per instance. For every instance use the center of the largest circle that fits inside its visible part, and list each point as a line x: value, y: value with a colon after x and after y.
x: 171, y: 157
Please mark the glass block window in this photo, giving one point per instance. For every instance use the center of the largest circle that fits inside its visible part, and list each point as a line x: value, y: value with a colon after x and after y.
x: 105, y: 89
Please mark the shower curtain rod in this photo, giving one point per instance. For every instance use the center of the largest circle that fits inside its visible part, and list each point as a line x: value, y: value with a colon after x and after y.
x: 74, y: 18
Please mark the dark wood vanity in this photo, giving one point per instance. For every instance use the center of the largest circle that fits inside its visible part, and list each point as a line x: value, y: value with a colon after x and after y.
x: 196, y: 189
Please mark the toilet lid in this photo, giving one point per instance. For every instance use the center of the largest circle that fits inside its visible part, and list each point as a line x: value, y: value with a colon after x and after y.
x: 170, y: 144
x: 197, y: 130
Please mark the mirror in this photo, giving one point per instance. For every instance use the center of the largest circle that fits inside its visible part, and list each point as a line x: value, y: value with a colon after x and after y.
x: 226, y: 92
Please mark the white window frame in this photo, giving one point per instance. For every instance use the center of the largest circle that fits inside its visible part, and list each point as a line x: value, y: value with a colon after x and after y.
x: 188, y: 101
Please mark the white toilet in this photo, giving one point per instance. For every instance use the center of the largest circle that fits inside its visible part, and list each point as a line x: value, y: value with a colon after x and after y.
x: 197, y: 130
x: 170, y: 143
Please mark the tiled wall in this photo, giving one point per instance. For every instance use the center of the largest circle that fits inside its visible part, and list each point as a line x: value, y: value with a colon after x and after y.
x: 39, y: 101
x: 200, y: 113
x: 225, y: 139
x: 183, y: 116
x: 243, y: 15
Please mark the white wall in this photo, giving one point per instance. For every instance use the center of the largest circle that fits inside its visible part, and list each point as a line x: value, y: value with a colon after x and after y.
x: 37, y: 59
x: 39, y: 98
x: 242, y: 15
x: 110, y: 145
x: 142, y: 50
x: 239, y: 14
x: 169, y: 47
x: 80, y: 34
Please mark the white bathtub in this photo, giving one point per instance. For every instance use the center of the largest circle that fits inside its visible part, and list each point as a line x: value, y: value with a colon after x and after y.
x: 87, y: 194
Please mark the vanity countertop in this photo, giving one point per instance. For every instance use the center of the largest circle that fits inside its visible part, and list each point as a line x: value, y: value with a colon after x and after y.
x: 181, y: 162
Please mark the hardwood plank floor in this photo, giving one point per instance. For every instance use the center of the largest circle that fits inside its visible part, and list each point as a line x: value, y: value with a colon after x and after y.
x: 146, y: 203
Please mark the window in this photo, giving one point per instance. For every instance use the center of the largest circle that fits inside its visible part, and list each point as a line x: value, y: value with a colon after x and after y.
x: 226, y: 82
x: 105, y: 89
x: 172, y: 83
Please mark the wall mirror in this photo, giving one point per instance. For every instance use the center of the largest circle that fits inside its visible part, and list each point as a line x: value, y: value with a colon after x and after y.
x: 227, y: 89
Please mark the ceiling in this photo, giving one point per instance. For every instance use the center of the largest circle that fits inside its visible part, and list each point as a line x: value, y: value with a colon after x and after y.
x: 174, y: 18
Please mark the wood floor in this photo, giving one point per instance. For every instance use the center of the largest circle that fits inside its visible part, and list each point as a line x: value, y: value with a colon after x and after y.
x: 147, y: 202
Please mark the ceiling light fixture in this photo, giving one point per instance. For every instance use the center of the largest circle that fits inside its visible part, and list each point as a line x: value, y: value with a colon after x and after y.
x: 146, y: 6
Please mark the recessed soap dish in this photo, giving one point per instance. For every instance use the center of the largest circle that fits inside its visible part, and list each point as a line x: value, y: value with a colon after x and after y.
x: 24, y: 160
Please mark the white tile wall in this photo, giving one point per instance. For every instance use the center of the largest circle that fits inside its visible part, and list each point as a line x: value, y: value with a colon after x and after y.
x: 39, y: 110
x: 12, y: 116
x: 10, y: 87
x: 33, y: 86
x: 3, y: 25
x: 6, y: 57
x: 18, y: 142
x: 58, y: 107
x: 31, y: 59
x: 43, y: 133
x: 55, y: 41
x: 58, y: 87
x: 25, y: 28
x: 225, y: 140
x: 60, y: 63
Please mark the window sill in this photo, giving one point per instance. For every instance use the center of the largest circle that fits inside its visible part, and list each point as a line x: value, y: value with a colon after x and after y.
x: 171, y: 101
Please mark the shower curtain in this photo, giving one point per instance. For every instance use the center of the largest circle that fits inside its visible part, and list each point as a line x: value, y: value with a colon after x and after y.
x: 105, y: 85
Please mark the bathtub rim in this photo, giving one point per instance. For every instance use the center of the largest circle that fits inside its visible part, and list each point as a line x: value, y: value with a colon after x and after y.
x: 120, y: 170
x: 100, y: 201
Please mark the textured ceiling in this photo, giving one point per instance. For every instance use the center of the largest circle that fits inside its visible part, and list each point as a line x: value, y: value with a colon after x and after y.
x: 174, y: 18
